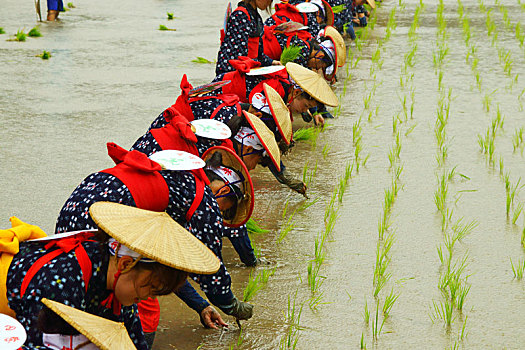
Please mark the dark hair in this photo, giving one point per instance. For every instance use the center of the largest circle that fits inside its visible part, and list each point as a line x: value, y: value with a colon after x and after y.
x: 235, y: 123
x: 169, y: 278
x: 50, y: 322
x: 215, y: 161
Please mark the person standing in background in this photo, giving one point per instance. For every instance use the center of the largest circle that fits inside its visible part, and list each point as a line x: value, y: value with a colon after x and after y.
x: 54, y: 7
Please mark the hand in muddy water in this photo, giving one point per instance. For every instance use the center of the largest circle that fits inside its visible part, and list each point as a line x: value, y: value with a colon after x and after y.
x: 210, y: 318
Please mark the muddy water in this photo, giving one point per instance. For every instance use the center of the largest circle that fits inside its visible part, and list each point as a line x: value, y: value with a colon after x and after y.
x: 112, y: 72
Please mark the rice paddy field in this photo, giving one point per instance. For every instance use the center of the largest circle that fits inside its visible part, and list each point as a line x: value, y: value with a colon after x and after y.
x: 414, y: 230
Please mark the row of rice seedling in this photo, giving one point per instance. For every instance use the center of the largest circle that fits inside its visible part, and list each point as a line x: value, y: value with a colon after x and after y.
x: 487, y: 142
x: 314, y: 277
x: 386, y: 234
x: 453, y: 281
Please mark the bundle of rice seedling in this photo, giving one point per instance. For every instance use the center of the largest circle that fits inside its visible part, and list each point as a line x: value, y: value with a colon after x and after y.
x: 305, y: 134
x: 254, y: 227
x: 290, y: 54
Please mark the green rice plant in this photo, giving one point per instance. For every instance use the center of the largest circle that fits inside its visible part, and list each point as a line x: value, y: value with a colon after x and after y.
x: 162, y: 27
x: 511, y: 194
x: 287, y: 228
x: 463, y: 333
x: 517, y: 139
x: 20, y: 35
x: 253, y: 227
x: 444, y: 311
x: 315, y: 281
x: 307, y: 204
x: 362, y: 344
x: 170, y: 15
x: 34, y: 32
x: 517, y: 212
x: 461, y: 296
x: 202, y: 60
x: 316, y: 300
x: 70, y: 5
x: 518, y: 269
x: 290, y: 54
x: 366, y: 313
x: 2, y: 31
x: 390, y: 300
x: 45, y: 55
x: 461, y: 230
x: 292, y: 320
x: 305, y: 134
x: 256, y: 283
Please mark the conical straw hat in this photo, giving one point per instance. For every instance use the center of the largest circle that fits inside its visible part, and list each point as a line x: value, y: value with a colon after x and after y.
x: 280, y: 113
x: 267, y: 138
x: 156, y: 236
x: 339, y: 42
x: 313, y: 84
x: 372, y: 3
x: 245, y: 206
x: 329, y: 13
x: 104, y: 333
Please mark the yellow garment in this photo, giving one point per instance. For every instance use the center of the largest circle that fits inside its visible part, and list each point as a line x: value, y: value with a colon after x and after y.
x: 9, y: 246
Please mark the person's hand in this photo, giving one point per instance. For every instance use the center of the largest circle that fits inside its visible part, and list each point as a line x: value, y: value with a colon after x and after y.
x: 241, y: 310
x: 318, y: 119
x: 210, y: 318
x: 276, y: 63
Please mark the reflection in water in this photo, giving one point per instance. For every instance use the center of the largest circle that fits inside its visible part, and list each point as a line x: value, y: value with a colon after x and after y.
x: 112, y: 72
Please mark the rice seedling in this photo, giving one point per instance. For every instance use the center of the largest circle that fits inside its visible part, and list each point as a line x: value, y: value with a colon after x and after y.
x: 202, y: 60
x: 462, y: 296
x: 162, y: 27
x: 511, y: 194
x: 390, y: 300
x: 253, y: 227
x: 256, y: 283
x: 292, y: 319
x: 315, y: 281
x: 45, y: 55
x: 462, y: 230
x: 463, y: 333
x: 287, y: 228
x: 170, y: 15
x: 517, y: 139
x: 518, y: 269
x: 34, y: 32
x: 517, y: 212
x: 20, y: 35
x: 366, y: 313
x: 2, y: 31
x: 304, y: 134
x: 70, y: 5
x: 362, y: 344
x: 444, y: 311
x: 316, y: 300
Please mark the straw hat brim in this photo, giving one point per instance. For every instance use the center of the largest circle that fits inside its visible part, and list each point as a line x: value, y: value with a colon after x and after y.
x: 104, y: 333
x: 156, y: 236
x: 280, y: 113
x: 329, y: 13
x: 339, y: 42
x: 372, y: 3
x: 267, y: 138
x: 245, y: 206
x: 313, y: 84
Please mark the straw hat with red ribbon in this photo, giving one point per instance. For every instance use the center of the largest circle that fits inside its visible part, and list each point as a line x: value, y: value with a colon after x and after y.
x: 280, y: 113
x: 313, y: 84
x: 156, y: 236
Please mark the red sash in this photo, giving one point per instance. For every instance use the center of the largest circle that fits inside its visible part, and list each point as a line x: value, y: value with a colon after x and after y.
x: 141, y: 176
x: 286, y: 13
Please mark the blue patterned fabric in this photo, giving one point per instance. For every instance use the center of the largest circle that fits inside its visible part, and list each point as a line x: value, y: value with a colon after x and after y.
x: 235, y: 43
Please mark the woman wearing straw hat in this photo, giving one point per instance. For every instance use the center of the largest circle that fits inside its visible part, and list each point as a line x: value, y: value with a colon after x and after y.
x: 242, y: 35
x: 189, y: 197
x: 104, y: 273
